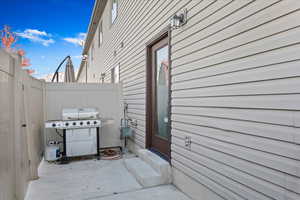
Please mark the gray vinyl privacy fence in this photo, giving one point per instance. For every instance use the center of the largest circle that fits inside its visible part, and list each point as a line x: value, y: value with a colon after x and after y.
x: 21, y: 127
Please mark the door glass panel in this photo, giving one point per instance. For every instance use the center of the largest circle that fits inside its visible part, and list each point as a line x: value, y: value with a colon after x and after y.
x: 162, y: 91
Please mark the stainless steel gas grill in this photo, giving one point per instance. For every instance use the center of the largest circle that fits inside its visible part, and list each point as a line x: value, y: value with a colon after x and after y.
x: 81, y: 130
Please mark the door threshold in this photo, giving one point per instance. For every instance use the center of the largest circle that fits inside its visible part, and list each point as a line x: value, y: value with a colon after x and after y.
x: 161, y: 155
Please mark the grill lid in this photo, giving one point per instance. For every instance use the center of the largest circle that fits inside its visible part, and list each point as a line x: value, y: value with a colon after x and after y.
x: 79, y: 113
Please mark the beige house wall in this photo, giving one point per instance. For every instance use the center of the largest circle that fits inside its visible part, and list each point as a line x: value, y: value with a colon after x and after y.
x: 235, y: 91
x: 21, y: 103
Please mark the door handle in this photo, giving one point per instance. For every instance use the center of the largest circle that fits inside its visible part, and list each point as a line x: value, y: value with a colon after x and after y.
x: 166, y: 119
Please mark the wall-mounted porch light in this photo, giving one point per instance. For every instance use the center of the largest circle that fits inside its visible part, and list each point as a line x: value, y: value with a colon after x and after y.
x: 178, y: 19
x: 84, y: 57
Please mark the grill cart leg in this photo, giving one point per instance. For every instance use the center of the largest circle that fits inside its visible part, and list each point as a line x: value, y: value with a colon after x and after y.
x: 64, y: 159
x: 98, y: 143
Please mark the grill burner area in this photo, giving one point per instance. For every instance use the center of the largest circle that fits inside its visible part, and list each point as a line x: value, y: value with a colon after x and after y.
x: 81, y: 129
x: 72, y: 124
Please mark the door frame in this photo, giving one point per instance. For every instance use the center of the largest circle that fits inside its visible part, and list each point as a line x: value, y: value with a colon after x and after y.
x: 165, y: 33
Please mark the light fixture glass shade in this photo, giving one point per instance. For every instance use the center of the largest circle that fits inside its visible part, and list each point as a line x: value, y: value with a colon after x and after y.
x: 178, y: 20
x: 172, y: 22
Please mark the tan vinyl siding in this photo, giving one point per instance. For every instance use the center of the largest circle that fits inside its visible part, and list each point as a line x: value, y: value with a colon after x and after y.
x: 235, y: 89
x: 134, y: 18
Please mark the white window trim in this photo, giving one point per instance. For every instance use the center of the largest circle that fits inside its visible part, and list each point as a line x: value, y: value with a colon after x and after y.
x: 113, y: 74
x: 100, y: 34
x: 112, y: 20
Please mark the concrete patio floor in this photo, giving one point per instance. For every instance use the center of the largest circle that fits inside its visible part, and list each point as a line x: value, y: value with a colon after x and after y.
x: 92, y: 180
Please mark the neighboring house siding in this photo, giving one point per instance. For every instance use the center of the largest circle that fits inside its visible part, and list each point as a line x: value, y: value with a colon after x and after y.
x: 235, y: 89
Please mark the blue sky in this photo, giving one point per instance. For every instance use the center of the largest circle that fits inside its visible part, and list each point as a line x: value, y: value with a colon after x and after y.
x: 48, y: 30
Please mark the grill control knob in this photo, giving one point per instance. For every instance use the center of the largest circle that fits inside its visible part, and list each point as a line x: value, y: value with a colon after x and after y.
x: 95, y: 122
x: 53, y: 125
x: 67, y: 124
x: 88, y: 123
x: 74, y: 123
x: 81, y: 123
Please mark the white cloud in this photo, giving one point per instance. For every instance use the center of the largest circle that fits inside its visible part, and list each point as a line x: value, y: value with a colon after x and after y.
x: 35, y: 32
x: 77, y: 57
x: 75, y: 41
x: 35, y: 35
x: 79, y: 40
x: 82, y: 35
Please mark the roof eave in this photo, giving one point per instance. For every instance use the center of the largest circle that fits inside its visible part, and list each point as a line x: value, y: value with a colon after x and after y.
x: 97, y: 13
x: 98, y: 9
